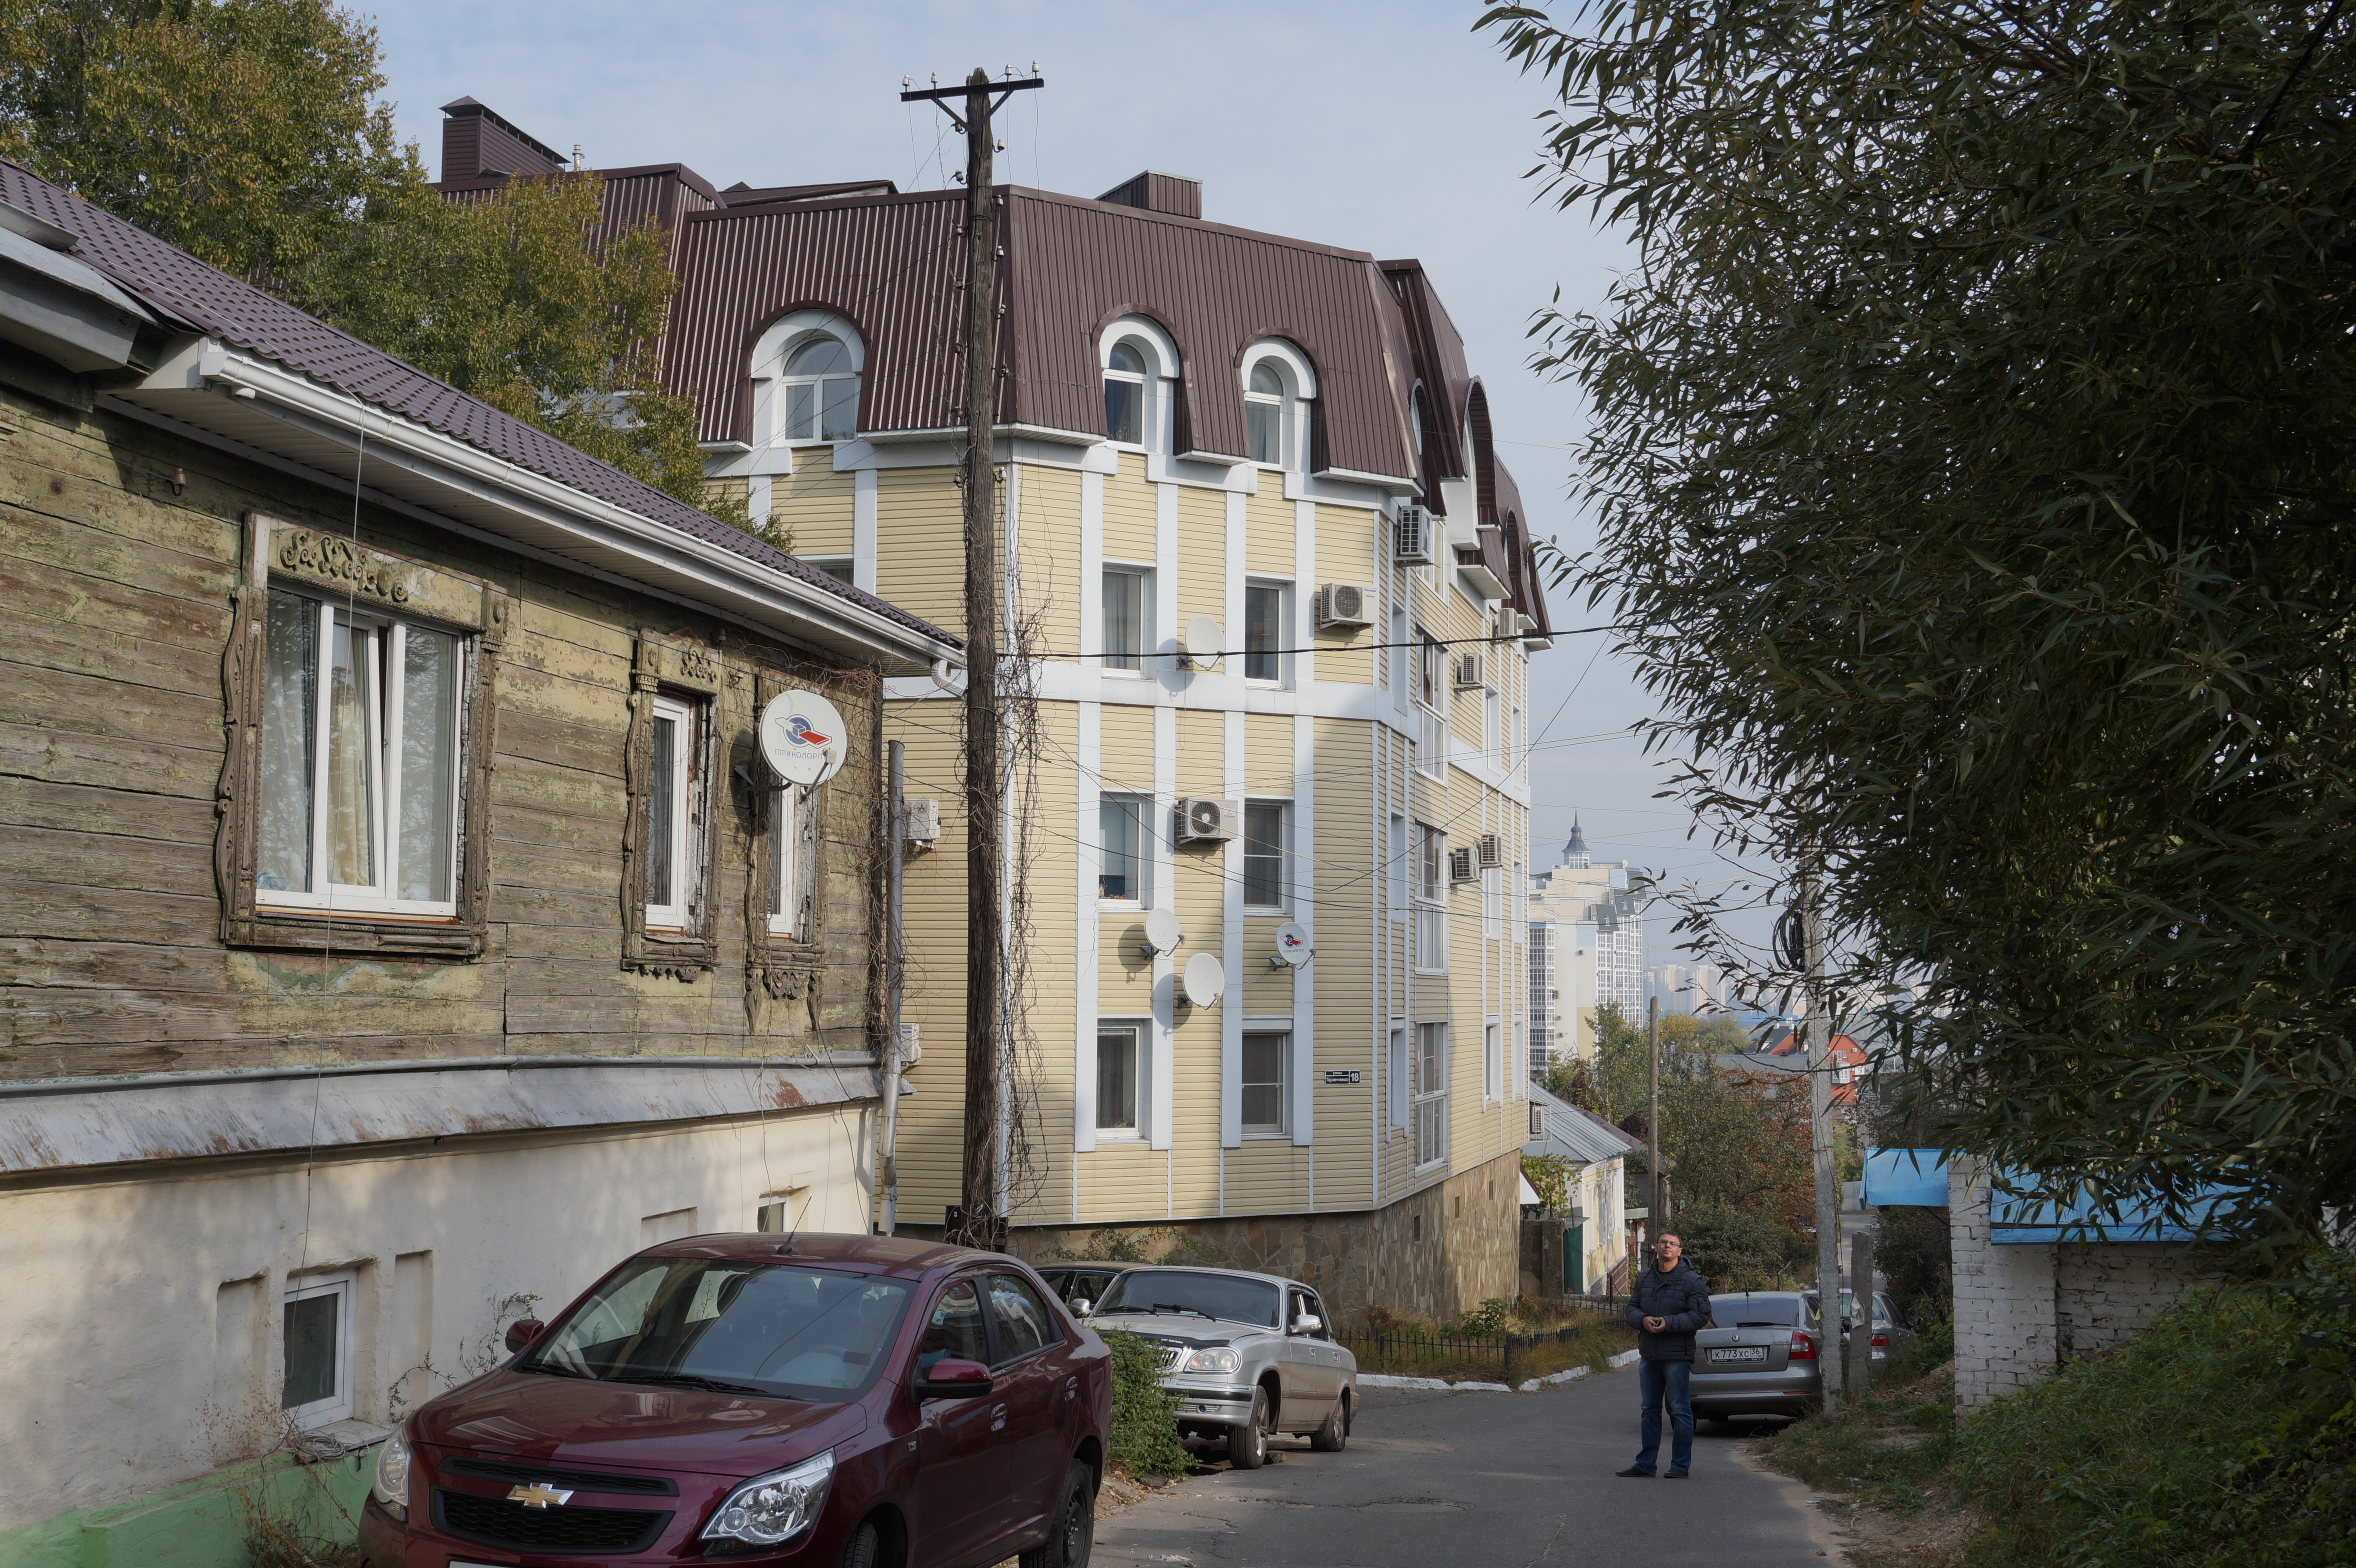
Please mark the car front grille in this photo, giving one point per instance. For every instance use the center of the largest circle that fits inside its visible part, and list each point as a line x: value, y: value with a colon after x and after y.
x: 496, y: 1522
x: 1172, y: 1357
x: 569, y: 1480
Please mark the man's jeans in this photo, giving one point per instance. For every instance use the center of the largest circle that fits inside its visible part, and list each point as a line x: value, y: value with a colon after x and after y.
x: 1675, y: 1379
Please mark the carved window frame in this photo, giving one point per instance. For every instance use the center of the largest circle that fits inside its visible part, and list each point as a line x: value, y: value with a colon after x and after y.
x: 479, y: 612
x: 684, y: 670
x: 783, y: 966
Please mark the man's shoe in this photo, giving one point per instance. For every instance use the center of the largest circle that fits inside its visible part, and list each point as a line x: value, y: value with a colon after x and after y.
x: 1678, y: 1475
x: 1635, y: 1470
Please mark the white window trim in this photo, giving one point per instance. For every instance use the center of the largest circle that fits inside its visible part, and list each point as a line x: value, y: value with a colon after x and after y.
x: 1142, y: 805
x: 786, y: 804
x: 1299, y: 379
x: 1282, y: 680
x: 385, y: 797
x: 1145, y: 643
x: 1141, y: 1133
x: 1430, y: 910
x: 1402, y: 1045
x: 1282, y: 1128
x: 1401, y: 846
x: 770, y: 354
x: 1492, y: 1059
x: 343, y: 1284
x: 1283, y: 854
x: 840, y: 567
x: 685, y: 871
x: 1438, y: 1097
x: 1157, y: 420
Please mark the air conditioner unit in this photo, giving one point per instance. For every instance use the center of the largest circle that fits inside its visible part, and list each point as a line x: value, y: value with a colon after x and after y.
x: 1204, y: 820
x: 1468, y: 672
x: 1345, y: 604
x: 1493, y: 850
x: 1537, y: 1120
x: 1462, y: 867
x: 921, y: 823
x: 1412, y: 535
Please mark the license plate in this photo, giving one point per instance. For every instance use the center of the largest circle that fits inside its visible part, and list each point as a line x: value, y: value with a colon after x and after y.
x: 1742, y: 1353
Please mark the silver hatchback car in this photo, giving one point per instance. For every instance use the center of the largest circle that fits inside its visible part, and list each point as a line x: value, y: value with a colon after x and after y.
x: 1758, y: 1356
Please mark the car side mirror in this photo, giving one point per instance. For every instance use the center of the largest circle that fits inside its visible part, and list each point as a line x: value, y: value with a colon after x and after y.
x: 523, y: 1332
x: 950, y: 1378
x: 1308, y: 1323
x: 1083, y: 1307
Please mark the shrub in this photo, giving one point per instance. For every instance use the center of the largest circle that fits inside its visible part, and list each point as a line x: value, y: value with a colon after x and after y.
x: 1144, y: 1413
x: 1742, y: 1249
x: 1910, y: 1248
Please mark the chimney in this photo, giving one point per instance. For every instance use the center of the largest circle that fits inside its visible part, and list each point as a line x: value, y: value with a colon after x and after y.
x: 476, y: 143
x: 1154, y: 192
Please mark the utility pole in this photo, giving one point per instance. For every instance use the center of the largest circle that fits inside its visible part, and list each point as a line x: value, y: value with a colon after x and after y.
x: 981, y: 1220
x: 1820, y: 1135
x: 1655, y: 1220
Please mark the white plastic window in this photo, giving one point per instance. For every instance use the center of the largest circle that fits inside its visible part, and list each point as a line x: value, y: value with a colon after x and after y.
x: 787, y: 904
x: 1124, y: 858
x: 1430, y: 1094
x: 1267, y: 1101
x: 1128, y: 618
x: 1139, y: 365
x: 675, y: 816
x: 1121, y: 1077
x: 316, y: 1334
x: 1267, y: 607
x: 1266, y: 846
x: 821, y: 389
x: 360, y: 761
x: 1278, y: 385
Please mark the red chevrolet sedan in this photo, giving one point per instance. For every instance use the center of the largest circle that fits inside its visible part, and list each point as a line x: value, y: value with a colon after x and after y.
x: 814, y: 1401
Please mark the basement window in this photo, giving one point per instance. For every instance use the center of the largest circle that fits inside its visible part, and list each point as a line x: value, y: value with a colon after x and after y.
x: 315, y: 1332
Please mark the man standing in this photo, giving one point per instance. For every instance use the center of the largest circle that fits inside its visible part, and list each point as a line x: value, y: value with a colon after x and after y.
x: 1667, y: 1306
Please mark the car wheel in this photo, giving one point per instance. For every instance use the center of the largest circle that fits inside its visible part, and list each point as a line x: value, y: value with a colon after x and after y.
x: 1330, y: 1437
x: 864, y: 1548
x: 1072, y: 1536
x: 1248, y: 1443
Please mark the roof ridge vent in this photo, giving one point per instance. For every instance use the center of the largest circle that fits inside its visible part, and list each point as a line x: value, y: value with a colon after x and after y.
x: 1157, y: 192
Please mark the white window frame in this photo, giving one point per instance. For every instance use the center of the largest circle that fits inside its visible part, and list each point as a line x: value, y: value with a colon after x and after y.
x: 1300, y: 381
x: 776, y: 350
x: 1141, y: 809
x: 686, y: 842
x: 838, y: 566
x: 1156, y: 420
x: 1399, y: 870
x: 1399, y: 1070
x: 1493, y: 729
x: 1427, y: 1095
x: 1142, y: 1030
x: 1283, y: 809
x: 1142, y: 577
x: 1402, y: 660
x: 786, y: 803
x: 1429, y: 897
x: 1286, y: 1089
x: 343, y: 1285
x: 1431, y: 677
x: 383, y: 662
x: 1492, y: 1059
x: 1493, y: 903
x: 1282, y: 588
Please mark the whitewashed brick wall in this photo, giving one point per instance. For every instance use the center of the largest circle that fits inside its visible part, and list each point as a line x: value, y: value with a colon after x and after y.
x: 2021, y: 1310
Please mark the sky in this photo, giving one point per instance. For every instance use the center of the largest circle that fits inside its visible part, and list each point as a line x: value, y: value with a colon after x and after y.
x: 1384, y: 127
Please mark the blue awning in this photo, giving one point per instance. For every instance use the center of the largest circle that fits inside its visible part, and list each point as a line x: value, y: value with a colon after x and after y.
x: 1916, y: 1177
x: 2017, y: 1222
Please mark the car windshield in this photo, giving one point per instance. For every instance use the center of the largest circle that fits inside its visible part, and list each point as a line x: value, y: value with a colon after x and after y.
x: 1188, y: 1295
x: 1748, y: 1311
x: 730, y: 1326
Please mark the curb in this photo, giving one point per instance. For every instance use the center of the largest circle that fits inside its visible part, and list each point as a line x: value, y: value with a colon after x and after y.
x: 1379, y: 1380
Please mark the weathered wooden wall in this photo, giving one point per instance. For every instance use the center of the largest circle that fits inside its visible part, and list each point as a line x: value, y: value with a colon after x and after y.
x: 119, y: 550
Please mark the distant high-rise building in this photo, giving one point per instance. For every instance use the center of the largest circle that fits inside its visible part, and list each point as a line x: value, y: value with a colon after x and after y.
x: 1587, y: 948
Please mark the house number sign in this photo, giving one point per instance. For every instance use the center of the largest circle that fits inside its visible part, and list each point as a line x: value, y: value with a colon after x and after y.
x: 1337, y: 1077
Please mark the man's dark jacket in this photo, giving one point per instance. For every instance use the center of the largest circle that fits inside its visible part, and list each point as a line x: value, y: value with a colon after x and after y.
x: 1681, y: 1298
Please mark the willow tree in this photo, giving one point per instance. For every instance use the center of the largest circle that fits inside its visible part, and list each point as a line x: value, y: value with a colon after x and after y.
x: 1972, y: 452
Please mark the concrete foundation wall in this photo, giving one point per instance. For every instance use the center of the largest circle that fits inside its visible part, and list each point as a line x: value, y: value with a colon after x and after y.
x: 1433, y: 1253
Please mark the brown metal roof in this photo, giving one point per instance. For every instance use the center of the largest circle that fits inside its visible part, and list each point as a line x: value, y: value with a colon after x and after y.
x: 212, y: 302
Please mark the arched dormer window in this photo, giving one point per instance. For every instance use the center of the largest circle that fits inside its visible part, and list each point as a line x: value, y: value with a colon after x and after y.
x: 1422, y: 412
x: 806, y: 372
x: 1278, y: 385
x: 1140, y: 365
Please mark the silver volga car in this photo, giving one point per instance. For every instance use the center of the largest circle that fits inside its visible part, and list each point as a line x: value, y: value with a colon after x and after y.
x: 1758, y: 1356
x: 1247, y: 1354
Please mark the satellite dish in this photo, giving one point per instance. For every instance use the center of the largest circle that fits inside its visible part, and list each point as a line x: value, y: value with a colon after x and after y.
x: 1205, y: 980
x: 1292, y: 944
x: 804, y: 739
x: 1204, y: 643
x: 1161, y: 931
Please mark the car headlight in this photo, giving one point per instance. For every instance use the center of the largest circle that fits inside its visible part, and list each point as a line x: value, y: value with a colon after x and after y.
x: 1220, y: 1360
x: 773, y: 1507
x: 391, y: 1485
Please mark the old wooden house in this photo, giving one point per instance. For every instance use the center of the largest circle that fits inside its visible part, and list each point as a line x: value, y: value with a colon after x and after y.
x: 401, y: 923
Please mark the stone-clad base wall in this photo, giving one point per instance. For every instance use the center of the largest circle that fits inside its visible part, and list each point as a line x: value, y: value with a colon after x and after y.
x: 1432, y: 1253
x: 2023, y: 1310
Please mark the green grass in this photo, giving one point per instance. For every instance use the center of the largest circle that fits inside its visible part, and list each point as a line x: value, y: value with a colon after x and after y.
x: 1893, y: 1448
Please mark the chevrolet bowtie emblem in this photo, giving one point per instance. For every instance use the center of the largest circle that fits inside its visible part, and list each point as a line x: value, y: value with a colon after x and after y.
x: 539, y: 1493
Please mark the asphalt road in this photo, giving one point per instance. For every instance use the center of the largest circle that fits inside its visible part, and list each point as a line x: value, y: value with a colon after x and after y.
x: 1479, y: 1479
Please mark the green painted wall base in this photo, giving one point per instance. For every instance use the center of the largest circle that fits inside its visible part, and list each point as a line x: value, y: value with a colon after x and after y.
x: 202, y: 1524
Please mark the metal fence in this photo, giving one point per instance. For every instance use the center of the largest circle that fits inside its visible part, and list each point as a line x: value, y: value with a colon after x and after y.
x: 1420, y: 1351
